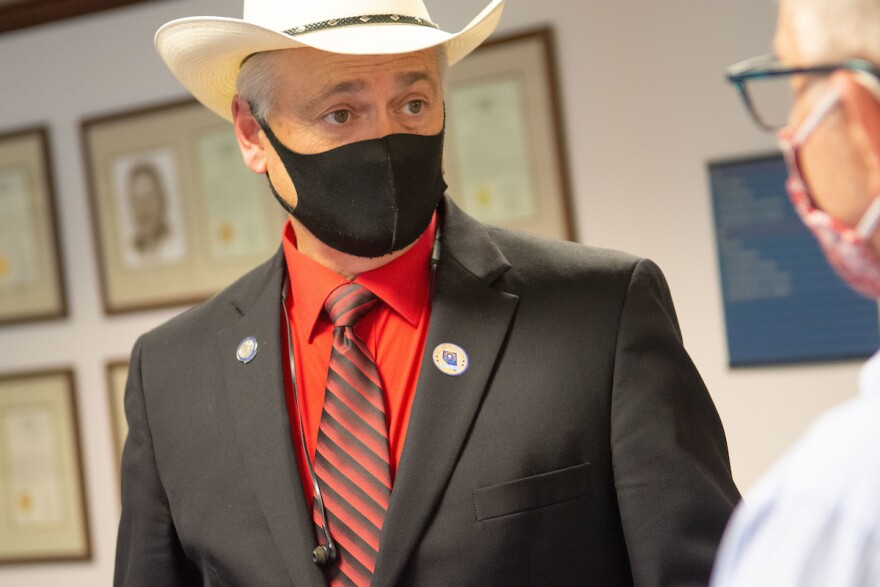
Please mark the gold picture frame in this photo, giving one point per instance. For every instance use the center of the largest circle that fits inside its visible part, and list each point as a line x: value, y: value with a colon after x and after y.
x: 31, y: 274
x: 117, y: 375
x: 178, y: 215
x: 505, y: 158
x: 19, y: 14
x: 43, y: 517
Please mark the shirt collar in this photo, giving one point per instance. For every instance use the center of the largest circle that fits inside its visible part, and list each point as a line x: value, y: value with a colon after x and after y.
x: 403, y: 284
x: 869, y: 377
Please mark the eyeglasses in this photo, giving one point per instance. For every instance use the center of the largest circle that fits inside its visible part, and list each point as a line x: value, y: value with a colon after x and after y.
x: 764, y: 85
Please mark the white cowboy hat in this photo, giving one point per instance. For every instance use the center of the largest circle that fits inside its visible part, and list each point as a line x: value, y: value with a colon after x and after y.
x: 206, y: 52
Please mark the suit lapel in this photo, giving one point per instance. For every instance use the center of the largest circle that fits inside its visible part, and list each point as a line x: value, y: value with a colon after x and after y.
x: 467, y: 312
x: 262, y: 428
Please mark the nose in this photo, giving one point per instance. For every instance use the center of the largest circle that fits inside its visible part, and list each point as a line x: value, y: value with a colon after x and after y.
x: 385, y: 124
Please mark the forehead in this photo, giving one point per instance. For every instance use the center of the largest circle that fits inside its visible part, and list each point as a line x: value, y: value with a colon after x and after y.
x: 307, y: 68
x: 785, y: 41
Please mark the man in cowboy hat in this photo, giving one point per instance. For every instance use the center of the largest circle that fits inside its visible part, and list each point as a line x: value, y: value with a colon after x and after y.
x: 402, y: 395
x: 813, y: 519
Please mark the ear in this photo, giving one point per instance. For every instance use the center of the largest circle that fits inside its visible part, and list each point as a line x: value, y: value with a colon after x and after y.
x: 249, y: 134
x: 860, y: 98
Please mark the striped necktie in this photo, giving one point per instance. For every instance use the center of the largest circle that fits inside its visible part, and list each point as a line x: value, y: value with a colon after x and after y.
x: 351, y: 459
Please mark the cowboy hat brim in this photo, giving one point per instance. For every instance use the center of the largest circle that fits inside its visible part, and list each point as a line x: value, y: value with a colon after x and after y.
x: 206, y: 53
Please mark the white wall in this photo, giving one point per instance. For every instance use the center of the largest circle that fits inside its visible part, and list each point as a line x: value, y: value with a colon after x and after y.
x: 645, y: 106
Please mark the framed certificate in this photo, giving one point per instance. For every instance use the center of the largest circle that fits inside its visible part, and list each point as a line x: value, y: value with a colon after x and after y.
x: 18, y: 14
x: 43, y: 512
x: 783, y: 303
x: 177, y: 212
x: 117, y: 374
x: 505, y: 159
x: 31, y: 276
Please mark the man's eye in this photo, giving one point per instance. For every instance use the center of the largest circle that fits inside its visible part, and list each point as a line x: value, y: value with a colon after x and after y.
x: 338, y: 117
x: 415, y: 106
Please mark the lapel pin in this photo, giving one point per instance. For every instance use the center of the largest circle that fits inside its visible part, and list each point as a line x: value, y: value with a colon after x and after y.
x: 247, y: 350
x: 450, y: 359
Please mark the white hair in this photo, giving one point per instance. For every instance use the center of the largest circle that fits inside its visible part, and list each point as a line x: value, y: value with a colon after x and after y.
x: 256, y: 80
x: 256, y: 84
x: 833, y: 30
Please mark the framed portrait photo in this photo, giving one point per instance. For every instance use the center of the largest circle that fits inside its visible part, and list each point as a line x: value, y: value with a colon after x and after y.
x: 178, y: 214
x: 31, y: 275
x: 505, y: 157
x: 43, y: 513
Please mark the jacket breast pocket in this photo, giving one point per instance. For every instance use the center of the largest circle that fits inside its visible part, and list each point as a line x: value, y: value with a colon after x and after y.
x: 532, y: 492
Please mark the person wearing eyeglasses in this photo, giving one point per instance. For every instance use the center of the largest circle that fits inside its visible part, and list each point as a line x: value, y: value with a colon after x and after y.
x: 815, y: 518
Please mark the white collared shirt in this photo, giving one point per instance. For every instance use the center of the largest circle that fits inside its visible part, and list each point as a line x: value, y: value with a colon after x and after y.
x: 814, y: 519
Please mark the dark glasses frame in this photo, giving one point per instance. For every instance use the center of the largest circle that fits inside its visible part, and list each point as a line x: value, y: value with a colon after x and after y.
x: 769, y: 66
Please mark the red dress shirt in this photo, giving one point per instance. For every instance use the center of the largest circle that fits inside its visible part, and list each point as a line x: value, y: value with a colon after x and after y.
x: 394, y: 332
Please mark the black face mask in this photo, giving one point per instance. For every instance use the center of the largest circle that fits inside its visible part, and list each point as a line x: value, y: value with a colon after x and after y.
x: 368, y: 198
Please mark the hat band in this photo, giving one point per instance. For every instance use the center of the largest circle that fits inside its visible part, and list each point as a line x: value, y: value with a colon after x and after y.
x: 359, y: 20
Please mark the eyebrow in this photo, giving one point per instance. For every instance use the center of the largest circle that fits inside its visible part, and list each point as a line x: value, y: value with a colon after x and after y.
x: 332, y: 89
x: 402, y: 81
x: 405, y: 80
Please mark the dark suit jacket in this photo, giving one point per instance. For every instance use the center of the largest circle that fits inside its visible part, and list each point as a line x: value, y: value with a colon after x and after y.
x: 579, y: 448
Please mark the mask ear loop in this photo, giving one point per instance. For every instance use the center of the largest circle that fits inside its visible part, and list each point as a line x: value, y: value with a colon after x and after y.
x: 870, y: 221
x: 792, y: 138
x: 828, y: 101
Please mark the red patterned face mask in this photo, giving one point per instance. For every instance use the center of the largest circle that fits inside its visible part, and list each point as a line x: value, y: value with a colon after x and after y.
x: 848, y: 249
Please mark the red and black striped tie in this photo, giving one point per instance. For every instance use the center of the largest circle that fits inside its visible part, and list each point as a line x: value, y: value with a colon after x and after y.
x: 351, y: 459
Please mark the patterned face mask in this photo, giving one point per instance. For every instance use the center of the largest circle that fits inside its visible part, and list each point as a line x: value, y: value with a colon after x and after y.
x: 848, y: 249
